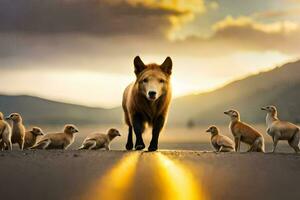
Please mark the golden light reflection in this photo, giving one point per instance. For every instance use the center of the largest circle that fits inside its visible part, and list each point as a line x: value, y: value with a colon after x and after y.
x: 162, y: 178
x: 178, y: 181
x: 116, y: 184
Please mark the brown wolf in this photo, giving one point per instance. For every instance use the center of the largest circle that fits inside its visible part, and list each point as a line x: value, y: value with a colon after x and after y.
x: 18, y: 129
x: 146, y: 101
x: 60, y: 140
x: 5, y: 134
x: 281, y: 130
x: 31, y: 137
x: 99, y: 140
x: 243, y: 132
x: 221, y: 143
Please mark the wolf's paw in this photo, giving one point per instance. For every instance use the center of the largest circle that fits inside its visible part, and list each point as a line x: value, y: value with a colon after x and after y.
x: 129, y: 146
x: 139, y: 147
x: 152, y: 148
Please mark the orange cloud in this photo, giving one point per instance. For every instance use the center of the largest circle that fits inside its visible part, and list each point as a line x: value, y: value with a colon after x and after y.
x: 193, y: 6
x: 277, y: 13
x: 243, y: 22
x: 243, y: 33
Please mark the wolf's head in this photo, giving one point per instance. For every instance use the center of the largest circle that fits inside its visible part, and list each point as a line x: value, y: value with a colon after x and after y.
x: 37, y: 131
x: 153, y: 79
x: 213, y: 130
x: 270, y: 109
x: 15, y: 117
x: 233, y: 114
x: 70, y: 129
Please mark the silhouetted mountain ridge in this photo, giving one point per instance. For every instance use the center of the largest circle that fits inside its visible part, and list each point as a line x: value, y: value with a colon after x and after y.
x: 43, y: 111
x: 279, y: 86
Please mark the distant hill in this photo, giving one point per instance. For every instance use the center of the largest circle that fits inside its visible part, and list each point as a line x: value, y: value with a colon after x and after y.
x: 280, y: 86
x: 37, y: 110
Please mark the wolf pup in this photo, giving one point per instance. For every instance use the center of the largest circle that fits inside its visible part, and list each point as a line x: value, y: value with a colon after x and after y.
x: 57, y: 140
x: 146, y: 101
x: 281, y: 130
x: 221, y: 143
x: 5, y: 134
x: 242, y: 132
x: 99, y: 140
x: 18, y: 129
x: 31, y: 136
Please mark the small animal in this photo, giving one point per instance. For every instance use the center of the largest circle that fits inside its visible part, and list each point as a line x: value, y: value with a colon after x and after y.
x: 31, y: 136
x: 57, y: 140
x: 243, y: 132
x: 221, y: 143
x: 5, y: 134
x: 18, y: 129
x: 99, y: 140
x: 281, y: 130
x: 146, y: 101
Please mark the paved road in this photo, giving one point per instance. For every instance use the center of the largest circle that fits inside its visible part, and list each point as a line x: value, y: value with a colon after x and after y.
x: 88, y: 175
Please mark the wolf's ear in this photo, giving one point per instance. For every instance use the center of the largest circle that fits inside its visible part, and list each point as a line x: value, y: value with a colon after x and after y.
x: 167, y: 66
x: 139, y: 66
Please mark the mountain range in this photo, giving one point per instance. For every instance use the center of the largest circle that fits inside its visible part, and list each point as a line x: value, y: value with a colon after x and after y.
x: 37, y: 110
x: 279, y: 86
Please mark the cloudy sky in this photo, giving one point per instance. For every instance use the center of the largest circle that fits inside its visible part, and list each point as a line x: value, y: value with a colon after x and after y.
x: 81, y: 51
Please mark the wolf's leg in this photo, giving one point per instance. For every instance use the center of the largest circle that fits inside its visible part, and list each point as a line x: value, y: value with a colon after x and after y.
x: 261, y: 145
x: 8, y: 144
x: 2, y: 145
x: 42, y: 144
x: 224, y: 149
x: 275, y: 142
x: 294, y: 142
x: 129, y: 144
x: 138, y: 127
x: 21, y: 144
x: 88, y: 144
x: 254, y: 146
x: 158, y: 124
x: 237, y: 141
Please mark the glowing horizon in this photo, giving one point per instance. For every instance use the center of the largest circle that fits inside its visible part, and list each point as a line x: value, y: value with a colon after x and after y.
x: 89, y: 88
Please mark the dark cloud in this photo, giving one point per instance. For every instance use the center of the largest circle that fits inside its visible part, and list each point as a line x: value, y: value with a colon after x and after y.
x: 100, y: 17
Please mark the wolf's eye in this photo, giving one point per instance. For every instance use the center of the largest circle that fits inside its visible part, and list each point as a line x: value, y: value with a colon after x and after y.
x: 145, y: 80
x: 161, y: 80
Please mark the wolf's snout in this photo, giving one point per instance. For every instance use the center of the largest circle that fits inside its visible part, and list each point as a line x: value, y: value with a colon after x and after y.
x: 152, y: 94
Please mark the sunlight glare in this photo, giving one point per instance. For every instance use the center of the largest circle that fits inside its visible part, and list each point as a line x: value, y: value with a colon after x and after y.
x: 179, y: 182
x: 116, y: 184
